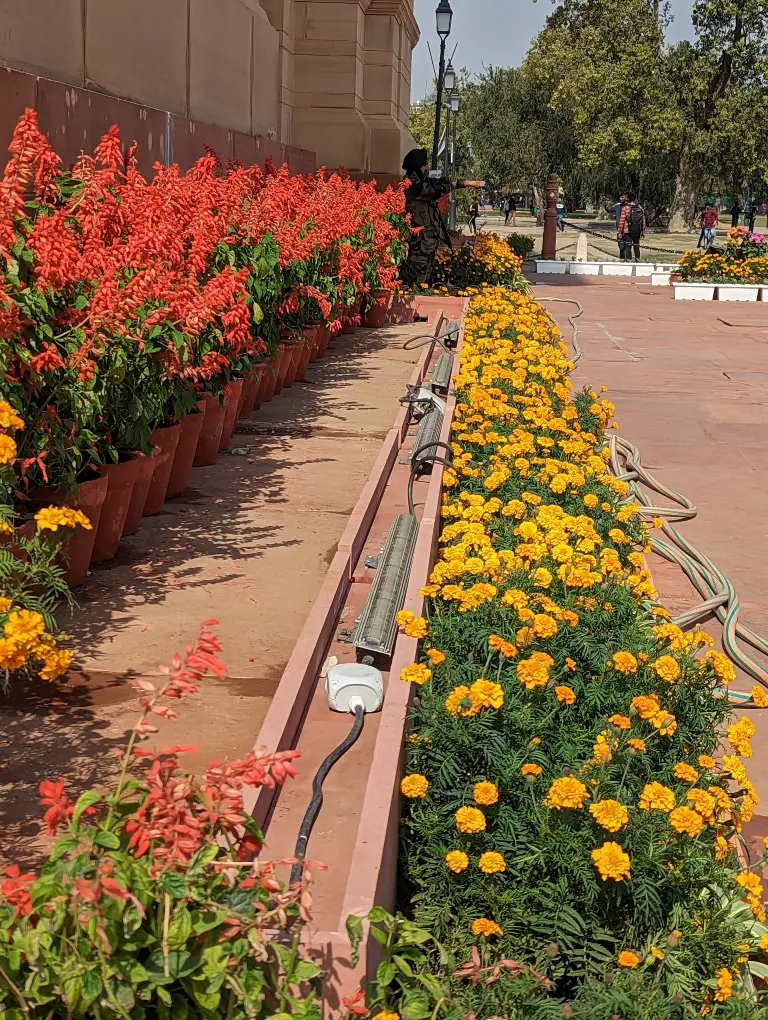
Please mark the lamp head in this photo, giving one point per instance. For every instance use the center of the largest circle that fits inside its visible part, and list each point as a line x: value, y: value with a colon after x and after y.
x: 444, y: 17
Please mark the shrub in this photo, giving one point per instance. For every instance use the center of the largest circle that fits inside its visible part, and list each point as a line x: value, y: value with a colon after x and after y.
x: 521, y: 244
x: 488, y: 260
x: 144, y: 907
x: 565, y: 808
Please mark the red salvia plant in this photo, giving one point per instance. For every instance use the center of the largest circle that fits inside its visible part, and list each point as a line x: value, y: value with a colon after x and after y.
x: 144, y: 903
x: 122, y: 296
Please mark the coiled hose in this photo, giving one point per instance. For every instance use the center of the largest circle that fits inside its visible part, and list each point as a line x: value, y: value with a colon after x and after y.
x: 721, y: 600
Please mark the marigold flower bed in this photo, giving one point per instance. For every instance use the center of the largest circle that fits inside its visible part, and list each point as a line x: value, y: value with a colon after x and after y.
x: 567, y: 805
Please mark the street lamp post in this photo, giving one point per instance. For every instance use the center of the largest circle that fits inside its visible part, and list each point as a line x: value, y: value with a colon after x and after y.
x: 444, y: 17
x: 454, y: 104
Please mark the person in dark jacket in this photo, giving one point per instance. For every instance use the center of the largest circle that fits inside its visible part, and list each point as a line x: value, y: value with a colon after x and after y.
x: 735, y: 211
x: 421, y: 197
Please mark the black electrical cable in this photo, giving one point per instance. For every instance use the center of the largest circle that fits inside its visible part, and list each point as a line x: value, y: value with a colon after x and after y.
x: 416, y: 464
x: 310, y: 816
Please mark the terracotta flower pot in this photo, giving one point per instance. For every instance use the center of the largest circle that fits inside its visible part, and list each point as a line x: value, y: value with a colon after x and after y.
x: 10, y: 543
x: 324, y: 337
x: 254, y: 400
x: 378, y: 308
x: 120, y: 481
x: 167, y: 440
x: 232, y: 392
x: 293, y: 364
x: 347, y: 325
x: 269, y: 379
x: 210, y: 432
x: 89, y: 498
x: 286, y: 358
x: 248, y: 393
x: 191, y: 425
x: 145, y: 468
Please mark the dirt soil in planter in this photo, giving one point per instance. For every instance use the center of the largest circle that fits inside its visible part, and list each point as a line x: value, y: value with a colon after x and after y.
x: 690, y: 385
x: 249, y: 543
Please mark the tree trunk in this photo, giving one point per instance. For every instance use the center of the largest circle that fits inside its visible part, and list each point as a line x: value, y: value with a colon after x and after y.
x: 683, y: 212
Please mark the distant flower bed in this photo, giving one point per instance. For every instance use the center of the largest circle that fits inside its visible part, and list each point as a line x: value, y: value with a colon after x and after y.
x: 568, y: 808
x: 490, y: 260
x: 744, y: 259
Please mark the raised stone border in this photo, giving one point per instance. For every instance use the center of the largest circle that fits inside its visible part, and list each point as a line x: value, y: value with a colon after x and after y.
x: 572, y: 267
x: 720, y: 292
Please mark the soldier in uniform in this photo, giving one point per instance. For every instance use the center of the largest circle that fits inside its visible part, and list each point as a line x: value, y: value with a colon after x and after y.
x: 423, y: 193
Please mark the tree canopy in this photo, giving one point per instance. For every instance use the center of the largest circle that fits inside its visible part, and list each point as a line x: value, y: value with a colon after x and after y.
x: 605, y: 101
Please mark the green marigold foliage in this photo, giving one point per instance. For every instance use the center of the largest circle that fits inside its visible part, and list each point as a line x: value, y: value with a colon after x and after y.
x: 564, y: 808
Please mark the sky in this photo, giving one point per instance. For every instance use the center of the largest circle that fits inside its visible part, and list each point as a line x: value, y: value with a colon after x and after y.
x: 496, y: 32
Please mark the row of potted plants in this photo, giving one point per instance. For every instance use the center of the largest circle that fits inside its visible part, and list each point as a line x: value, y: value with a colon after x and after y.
x: 140, y: 318
x: 742, y: 260
x: 575, y: 788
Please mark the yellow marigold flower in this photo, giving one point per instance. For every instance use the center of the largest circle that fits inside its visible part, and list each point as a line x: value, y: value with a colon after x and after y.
x: 5, y: 604
x: 487, y: 693
x: 624, y: 662
x: 703, y: 803
x: 591, y: 500
x: 482, y: 926
x: 23, y: 627
x: 6, y: 528
x: 724, y: 985
x: 9, y: 419
x: 414, y: 786
x: 55, y: 664
x: 435, y: 657
x: 657, y: 797
x: 12, y: 655
x: 612, y: 862
x: 610, y: 814
x: 7, y: 449
x: 706, y: 761
x: 485, y: 793
x: 416, y: 674
x: 686, y: 773
x: 505, y: 648
x: 515, y: 598
x: 570, y: 665
x: 764, y: 942
x: 542, y: 578
x: 733, y: 766
x: 456, y: 861
x: 685, y: 819
x: 646, y: 705
x: 51, y: 518
x: 461, y: 702
x: 530, y: 769
x: 491, y: 863
x: 470, y: 819
x: 721, y: 665
x: 666, y: 668
x: 621, y: 722
x: 534, y: 671
x: 759, y: 696
x: 656, y: 953
x: 739, y: 735
x: 627, y: 958
x: 665, y: 723
x: 544, y: 626
x: 565, y: 694
x: 567, y: 792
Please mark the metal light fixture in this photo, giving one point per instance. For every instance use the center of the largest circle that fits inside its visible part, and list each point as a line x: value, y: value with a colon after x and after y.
x: 444, y: 17
x: 455, y: 102
x: 449, y: 80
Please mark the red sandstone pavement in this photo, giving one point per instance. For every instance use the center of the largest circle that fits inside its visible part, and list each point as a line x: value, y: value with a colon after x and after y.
x: 690, y: 385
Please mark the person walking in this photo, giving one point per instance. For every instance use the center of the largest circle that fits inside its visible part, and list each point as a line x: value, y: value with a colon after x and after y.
x: 617, y: 210
x: 474, y: 212
x: 709, y: 221
x: 752, y: 215
x: 560, y: 211
x: 736, y: 211
x: 631, y: 229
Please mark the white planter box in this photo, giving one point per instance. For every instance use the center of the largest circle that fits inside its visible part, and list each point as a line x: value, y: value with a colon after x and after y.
x: 665, y: 267
x: 737, y: 292
x: 586, y: 268
x: 763, y: 294
x: 660, y: 279
x: 694, y: 291
x: 549, y: 266
x: 618, y: 269
x: 644, y: 269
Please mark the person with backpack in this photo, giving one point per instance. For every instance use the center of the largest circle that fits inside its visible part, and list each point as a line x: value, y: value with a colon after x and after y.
x: 708, y: 222
x: 631, y: 229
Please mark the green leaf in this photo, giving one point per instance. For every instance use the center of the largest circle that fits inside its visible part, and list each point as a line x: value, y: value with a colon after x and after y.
x: 379, y: 914
x: 305, y: 970
x: 180, y: 964
x: 85, y: 800
x: 108, y: 840
x: 385, y: 973
x: 180, y: 929
x: 62, y: 847
x: 92, y: 988
x: 175, y: 885
x: 258, y: 315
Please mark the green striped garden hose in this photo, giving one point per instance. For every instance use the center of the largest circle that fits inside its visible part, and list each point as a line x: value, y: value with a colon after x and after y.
x: 720, y: 597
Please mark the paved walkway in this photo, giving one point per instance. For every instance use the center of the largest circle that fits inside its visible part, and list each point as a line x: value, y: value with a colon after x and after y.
x: 250, y: 544
x: 690, y: 385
